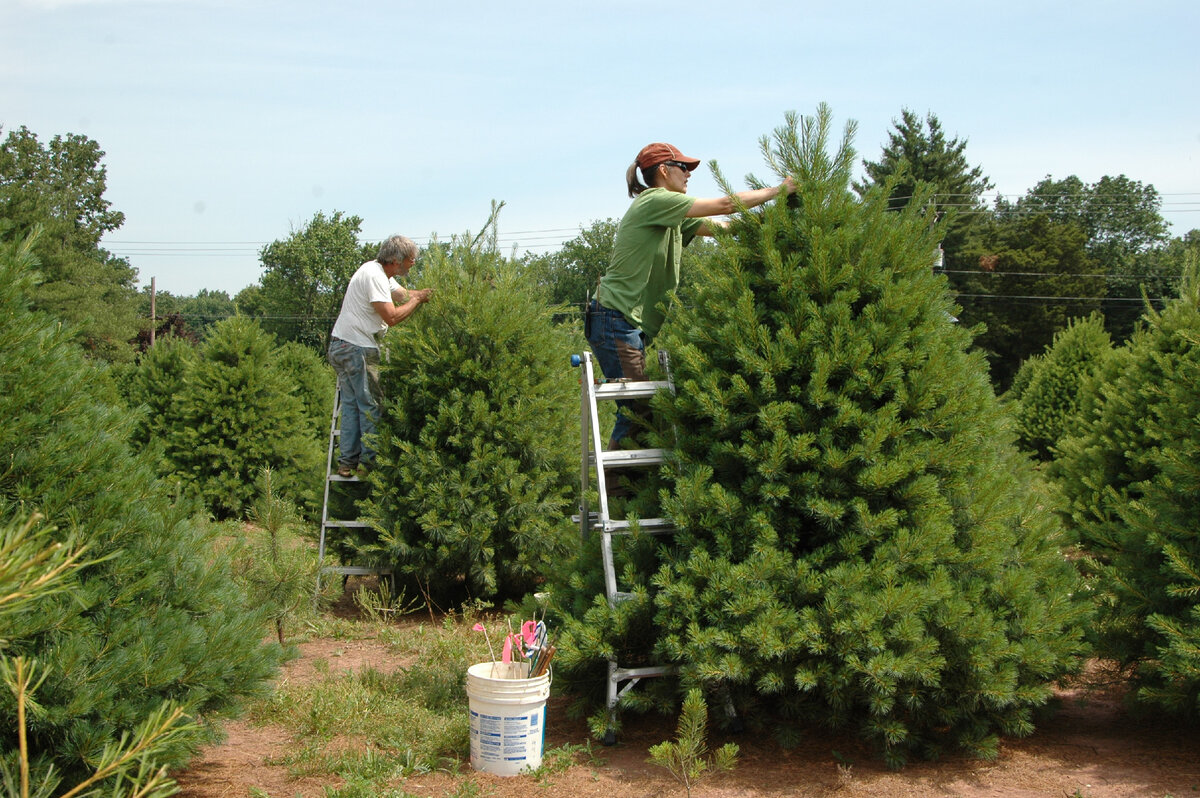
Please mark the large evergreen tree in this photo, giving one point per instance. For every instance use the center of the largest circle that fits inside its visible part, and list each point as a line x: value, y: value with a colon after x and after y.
x: 159, y: 618
x: 919, y: 154
x: 858, y: 542
x: 476, y: 452
x: 240, y: 410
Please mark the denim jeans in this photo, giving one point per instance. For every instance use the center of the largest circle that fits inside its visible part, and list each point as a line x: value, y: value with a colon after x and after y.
x: 620, y: 349
x: 357, y: 370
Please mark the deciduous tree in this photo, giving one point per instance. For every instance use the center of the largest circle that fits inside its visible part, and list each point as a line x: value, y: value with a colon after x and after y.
x: 305, y: 276
x: 59, y: 189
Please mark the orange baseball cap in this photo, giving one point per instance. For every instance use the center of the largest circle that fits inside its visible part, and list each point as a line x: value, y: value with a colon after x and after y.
x: 654, y: 154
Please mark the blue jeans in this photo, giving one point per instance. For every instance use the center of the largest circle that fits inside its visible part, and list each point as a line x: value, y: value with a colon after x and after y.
x: 620, y: 349
x: 357, y: 370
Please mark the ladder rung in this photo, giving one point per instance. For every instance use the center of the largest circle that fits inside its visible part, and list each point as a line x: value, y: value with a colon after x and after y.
x: 355, y: 570
x: 347, y: 524
x: 335, y: 477
x: 627, y: 458
x: 630, y: 390
x: 621, y: 674
x: 649, y: 526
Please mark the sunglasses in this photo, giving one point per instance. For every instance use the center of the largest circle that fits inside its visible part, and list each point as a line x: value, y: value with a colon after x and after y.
x: 677, y: 165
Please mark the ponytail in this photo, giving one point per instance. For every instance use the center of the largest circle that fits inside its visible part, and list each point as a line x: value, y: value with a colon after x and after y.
x: 631, y: 180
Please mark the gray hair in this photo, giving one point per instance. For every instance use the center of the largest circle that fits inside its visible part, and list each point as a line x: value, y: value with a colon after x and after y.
x: 396, y: 249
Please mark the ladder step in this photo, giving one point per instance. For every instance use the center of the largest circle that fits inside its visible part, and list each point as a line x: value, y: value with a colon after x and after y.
x: 346, y: 525
x: 648, y: 526
x: 335, y: 477
x: 356, y: 570
x: 621, y: 674
x: 627, y: 458
x: 621, y: 389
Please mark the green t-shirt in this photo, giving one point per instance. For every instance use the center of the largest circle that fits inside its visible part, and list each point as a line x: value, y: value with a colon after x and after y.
x: 645, y: 259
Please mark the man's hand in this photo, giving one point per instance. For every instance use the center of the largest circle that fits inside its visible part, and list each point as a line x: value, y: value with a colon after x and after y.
x: 421, y: 295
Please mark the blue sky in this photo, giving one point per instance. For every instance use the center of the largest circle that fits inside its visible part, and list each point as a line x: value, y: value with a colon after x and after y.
x: 227, y: 124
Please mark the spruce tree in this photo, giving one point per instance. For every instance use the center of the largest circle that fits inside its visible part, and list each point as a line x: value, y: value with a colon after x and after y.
x: 157, y: 616
x: 155, y: 385
x: 477, y: 456
x: 238, y: 413
x: 859, y: 545
x: 1128, y: 477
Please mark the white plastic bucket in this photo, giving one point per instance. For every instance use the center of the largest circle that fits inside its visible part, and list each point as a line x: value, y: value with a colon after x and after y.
x: 508, y: 717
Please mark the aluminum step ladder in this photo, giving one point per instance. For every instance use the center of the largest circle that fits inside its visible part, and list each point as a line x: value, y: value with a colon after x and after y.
x: 327, y: 523
x: 594, y: 389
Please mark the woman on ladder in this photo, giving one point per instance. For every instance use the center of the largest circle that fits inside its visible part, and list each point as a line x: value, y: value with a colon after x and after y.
x: 628, y: 309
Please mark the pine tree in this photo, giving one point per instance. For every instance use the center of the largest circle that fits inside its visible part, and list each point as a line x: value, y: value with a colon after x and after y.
x: 238, y: 413
x: 1128, y: 477
x: 476, y: 456
x: 157, y: 617
x: 858, y: 542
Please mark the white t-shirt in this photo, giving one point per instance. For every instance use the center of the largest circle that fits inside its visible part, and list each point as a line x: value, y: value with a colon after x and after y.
x: 358, y: 323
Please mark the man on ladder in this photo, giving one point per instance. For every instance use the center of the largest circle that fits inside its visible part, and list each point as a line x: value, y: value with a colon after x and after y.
x: 374, y: 301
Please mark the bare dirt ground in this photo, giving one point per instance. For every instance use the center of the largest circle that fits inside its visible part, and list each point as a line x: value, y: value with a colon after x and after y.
x: 1092, y: 748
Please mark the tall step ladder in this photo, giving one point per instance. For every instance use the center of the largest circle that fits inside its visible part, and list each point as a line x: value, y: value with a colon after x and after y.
x: 327, y: 523
x: 594, y: 389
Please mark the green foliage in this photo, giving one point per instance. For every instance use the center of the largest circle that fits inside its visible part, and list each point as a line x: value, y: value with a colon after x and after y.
x: 186, y: 316
x: 156, y: 385
x: 1125, y: 232
x: 1129, y: 478
x: 477, y: 452
x: 685, y: 758
x: 914, y: 158
x: 1019, y: 260
x: 273, y: 562
x: 305, y: 276
x: 239, y: 411
x: 570, y: 274
x: 59, y: 190
x: 155, y: 616
x: 859, y: 542
x: 313, y: 383
x: 1050, y: 400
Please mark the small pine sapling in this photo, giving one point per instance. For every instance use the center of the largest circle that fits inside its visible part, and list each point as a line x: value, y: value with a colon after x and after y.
x: 685, y: 758
x: 277, y: 569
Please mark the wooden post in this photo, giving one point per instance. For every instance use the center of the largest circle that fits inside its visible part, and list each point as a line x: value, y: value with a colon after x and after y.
x: 153, y: 319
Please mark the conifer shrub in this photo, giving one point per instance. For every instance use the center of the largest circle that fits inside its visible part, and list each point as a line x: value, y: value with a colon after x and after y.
x: 859, y: 545
x: 156, y: 616
x: 478, y: 451
x: 153, y: 386
x: 238, y: 412
x: 313, y: 382
x: 1128, y: 477
x: 1051, y: 398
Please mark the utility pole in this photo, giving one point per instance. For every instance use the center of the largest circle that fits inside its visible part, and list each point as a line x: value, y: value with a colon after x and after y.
x: 153, y: 320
